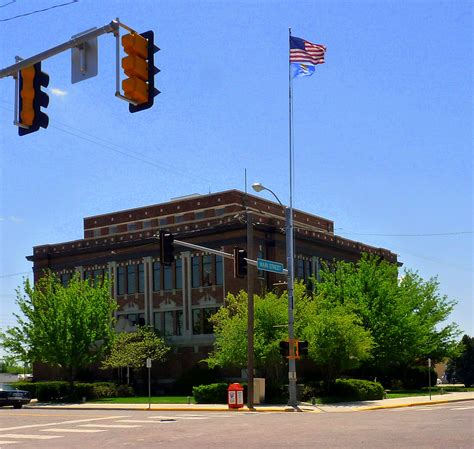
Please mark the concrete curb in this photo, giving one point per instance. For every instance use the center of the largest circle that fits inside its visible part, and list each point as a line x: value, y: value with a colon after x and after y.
x: 412, y: 404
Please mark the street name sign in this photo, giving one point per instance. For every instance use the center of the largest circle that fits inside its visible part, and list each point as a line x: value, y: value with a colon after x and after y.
x: 269, y: 265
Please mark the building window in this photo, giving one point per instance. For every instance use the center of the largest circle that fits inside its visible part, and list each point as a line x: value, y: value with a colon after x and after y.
x: 120, y: 280
x: 300, y: 268
x: 141, y: 278
x: 199, y: 215
x: 96, y: 233
x: 113, y: 229
x: 178, y: 273
x: 179, y: 218
x: 88, y: 276
x: 179, y: 322
x: 98, y: 277
x: 207, y: 270
x: 169, y: 323
x: 201, y: 323
x: 131, y: 227
x: 163, y: 221
x: 195, y: 278
x: 147, y: 224
x: 65, y: 277
x: 219, y: 270
x: 156, y: 276
x: 167, y: 278
x: 157, y: 322
x: 220, y: 211
x: 131, y: 279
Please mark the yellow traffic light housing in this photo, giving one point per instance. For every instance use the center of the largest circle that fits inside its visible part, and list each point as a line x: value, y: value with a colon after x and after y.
x: 138, y: 65
x: 32, y: 99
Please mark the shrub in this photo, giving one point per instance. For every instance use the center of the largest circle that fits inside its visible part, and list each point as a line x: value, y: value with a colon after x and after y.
x: 52, y: 391
x: 358, y: 390
x: 211, y: 394
x: 124, y: 390
x: 26, y: 386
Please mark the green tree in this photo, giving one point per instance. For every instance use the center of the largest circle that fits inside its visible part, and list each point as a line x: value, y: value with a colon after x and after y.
x: 461, y: 367
x: 133, y: 348
x: 65, y: 326
x: 404, y: 316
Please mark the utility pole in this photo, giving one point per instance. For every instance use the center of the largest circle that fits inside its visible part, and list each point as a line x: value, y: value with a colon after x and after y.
x: 250, y: 315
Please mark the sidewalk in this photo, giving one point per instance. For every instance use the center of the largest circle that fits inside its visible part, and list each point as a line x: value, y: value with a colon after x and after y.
x: 327, y: 408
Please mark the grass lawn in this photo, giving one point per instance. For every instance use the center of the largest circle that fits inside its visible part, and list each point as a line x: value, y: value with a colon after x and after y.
x: 144, y: 400
x: 435, y: 391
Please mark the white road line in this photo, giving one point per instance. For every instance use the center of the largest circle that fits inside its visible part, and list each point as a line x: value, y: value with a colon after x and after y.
x: 110, y: 426
x: 30, y: 437
x: 73, y: 430
x: 145, y: 421
x: 75, y: 421
x: 462, y: 408
x: 8, y: 442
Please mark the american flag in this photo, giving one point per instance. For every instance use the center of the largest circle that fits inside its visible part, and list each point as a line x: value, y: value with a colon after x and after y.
x: 304, y: 51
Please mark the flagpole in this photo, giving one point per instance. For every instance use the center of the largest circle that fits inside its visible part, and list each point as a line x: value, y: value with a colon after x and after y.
x: 290, y: 250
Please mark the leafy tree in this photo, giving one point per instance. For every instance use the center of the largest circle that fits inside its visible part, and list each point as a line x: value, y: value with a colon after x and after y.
x: 336, y: 339
x: 404, y: 317
x: 461, y: 368
x: 65, y: 326
x: 133, y: 348
x: 230, y: 328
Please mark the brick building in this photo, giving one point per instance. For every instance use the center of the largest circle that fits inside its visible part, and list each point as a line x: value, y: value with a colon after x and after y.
x: 179, y: 299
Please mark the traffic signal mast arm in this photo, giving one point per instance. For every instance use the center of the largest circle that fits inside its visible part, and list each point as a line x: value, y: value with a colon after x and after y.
x: 216, y: 252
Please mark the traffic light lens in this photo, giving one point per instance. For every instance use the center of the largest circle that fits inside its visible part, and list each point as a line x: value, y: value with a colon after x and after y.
x: 134, y: 44
x: 27, y: 113
x: 135, y: 67
x: 135, y: 89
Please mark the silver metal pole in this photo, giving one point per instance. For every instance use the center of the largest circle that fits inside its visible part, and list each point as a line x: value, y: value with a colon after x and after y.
x: 290, y: 250
x: 74, y: 42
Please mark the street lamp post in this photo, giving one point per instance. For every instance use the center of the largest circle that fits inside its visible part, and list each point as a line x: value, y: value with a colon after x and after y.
x: 258, y: 187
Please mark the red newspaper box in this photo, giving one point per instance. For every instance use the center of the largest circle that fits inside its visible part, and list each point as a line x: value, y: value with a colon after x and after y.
x: 235, y: 396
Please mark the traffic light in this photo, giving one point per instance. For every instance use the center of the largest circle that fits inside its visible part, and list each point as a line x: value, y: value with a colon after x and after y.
x: 240, y: 264
x: 166, y: 248
x: 302, y: 348
x: 285, y: 348
x: 139, y: 66
x: 32, y: 99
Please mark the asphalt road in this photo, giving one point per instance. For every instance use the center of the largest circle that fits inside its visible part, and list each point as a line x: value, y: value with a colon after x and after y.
x: 436, y: 426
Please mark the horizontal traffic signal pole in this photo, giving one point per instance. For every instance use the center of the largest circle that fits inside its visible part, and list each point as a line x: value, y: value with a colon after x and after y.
x: 12, y: 70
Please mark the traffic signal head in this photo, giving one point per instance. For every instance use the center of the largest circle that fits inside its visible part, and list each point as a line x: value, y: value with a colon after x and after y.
x: 240, y: 264
x: 32, y: 99
x: 284, y: 348
x: 139, y: 66
x: 166, y: 248
x: 302, y: 348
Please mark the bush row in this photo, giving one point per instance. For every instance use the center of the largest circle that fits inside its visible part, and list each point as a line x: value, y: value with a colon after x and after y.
x: 63, y: 391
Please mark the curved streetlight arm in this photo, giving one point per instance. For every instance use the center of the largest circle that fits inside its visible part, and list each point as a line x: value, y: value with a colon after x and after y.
x: 258, y: 187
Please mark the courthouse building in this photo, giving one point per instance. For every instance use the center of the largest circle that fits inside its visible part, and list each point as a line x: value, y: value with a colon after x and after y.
x: 178, y: 299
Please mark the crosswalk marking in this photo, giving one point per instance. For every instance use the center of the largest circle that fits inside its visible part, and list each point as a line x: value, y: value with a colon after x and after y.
x: 30, y: 437
x: 58, y: 429
x: 140, y: 421
x: 111, y: 426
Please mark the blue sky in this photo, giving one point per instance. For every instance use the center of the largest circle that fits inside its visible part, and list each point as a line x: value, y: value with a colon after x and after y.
x: 383, y: 130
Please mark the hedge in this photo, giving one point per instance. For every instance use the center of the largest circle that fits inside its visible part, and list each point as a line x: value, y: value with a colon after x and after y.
x: 62, y: 391
x: 358, y: 390
x: 211, y: 394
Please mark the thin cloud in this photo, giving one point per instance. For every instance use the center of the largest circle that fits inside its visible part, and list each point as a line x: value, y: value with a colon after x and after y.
x: 58, y: 92
x: 12, y: 219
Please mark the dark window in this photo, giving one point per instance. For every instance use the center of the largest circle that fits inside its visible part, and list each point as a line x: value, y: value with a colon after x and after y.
x: 195, y: 278
x: 147, y: 224
x: 156, y: 276
x: 179, y: 322
x: 219, y: 270
x: 113, y: 229
x: 136, y: 319
x: 199, y: 215
x: 131, y: 279
x: 98, y: 277
x: 178, y: 275
x: 131, y: 227
x: 163, y: 221
x: 201, y: 323
x: 220, y: 211
x: 88, y: 276
x: 157, y: 322
x: 169, y: 323
x: 65, y: 277
x: 207, y: 270
x: 299, y: 268
x: 167, y: 278
x: 96, y: 233
x: 179, y: 218
x: 120, y: 280
x: 141, y: 278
